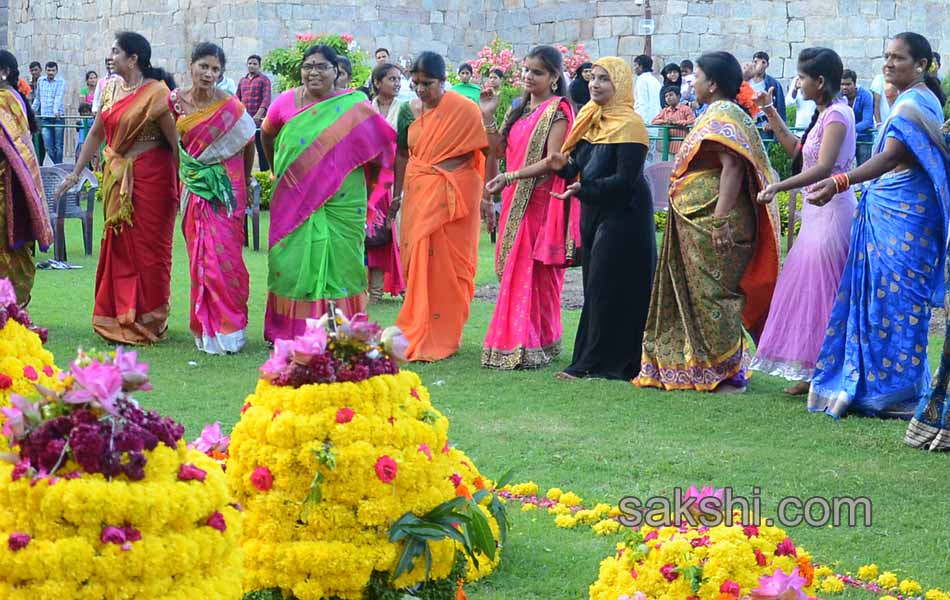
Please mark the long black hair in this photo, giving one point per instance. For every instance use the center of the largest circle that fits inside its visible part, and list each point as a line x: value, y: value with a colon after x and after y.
x: 135, y: 43
x: 669, y: 69
x: 824, y: 63
x: 723, y: 69
x: 920, y: 49
x: 550, y: 57
x: 8, y: 62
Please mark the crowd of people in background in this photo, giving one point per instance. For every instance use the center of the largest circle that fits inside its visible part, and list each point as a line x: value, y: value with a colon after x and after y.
x: 390, y: 195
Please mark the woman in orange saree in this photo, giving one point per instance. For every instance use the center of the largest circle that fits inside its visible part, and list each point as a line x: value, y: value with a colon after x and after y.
x: 216, y: 155
x: 23, y: 214
x: 139, y: 192
x: 440, y: 221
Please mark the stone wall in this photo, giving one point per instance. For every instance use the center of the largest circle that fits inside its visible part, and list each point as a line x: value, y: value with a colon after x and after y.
x: 78, y: 33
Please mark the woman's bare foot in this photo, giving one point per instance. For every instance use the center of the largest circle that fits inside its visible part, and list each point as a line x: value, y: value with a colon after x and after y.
x: 799, y: 389
x: 725, y: 388
x: 564, y: 376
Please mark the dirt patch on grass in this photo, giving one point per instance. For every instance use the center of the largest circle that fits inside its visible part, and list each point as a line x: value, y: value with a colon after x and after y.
x: 572, y: 298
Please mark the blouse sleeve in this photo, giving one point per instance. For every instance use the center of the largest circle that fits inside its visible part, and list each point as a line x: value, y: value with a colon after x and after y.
x: 277, y: 113
x: 630, y: 159
x: 406, y: 119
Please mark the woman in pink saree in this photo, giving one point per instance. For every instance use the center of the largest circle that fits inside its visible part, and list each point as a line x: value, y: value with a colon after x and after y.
x: 216, y: 154
x: 539, y: 233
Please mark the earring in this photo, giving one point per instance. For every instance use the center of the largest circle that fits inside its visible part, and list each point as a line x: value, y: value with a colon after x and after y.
x: 554, y: 87
x: 919, y: 70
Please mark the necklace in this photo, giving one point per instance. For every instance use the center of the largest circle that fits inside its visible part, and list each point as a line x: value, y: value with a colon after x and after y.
x: 194, y: 100
x: 128, y: 90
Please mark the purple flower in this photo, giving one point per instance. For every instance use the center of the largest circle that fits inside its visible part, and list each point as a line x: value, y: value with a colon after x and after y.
x: 216, y: 521
x: 21, y: 469
x: 211, y: 439
x: 132, y: 534
x: 135, y: 467
x: 7, y: 293
x: 98, y: 382
x: 780, y: 583
x: 191, y: 473
x: 134, y: 374
x: 88, y: 442
x: 112, y: 535
x: 17, y: 540
x: 17, y: 415
x: 52, y: 454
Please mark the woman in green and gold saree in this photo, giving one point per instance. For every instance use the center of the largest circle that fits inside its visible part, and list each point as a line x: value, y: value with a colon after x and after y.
x: 325, y: 146
x: 719, y: 261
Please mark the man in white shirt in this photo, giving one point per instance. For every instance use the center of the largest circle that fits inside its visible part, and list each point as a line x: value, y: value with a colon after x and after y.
x: 882, y: 104
x: 804, y: 109
x: 646, y: 89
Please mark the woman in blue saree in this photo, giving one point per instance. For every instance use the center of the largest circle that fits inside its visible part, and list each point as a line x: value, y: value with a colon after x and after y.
x: 874, y: 357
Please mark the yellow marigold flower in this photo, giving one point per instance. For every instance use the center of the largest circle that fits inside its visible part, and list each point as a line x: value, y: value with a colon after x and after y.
x: 554, y: 494
x: 832, y: 585
x: 528, y: 507
x: 565, y: 521
x: 586, y: 516
x: 909, y: 587
x: 614, y: 511
x: 887, y: 580
x: 823, y: 571
x: 559, y: 509
x: 525, y: 489
x: 936, y: 594
x: 606, y: 527
x: 570, y: 499
x: 868, y: 572
x: 887, y: 598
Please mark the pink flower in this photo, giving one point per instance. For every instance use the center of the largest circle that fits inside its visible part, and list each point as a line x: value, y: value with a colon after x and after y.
x: 211, y: 439
x: 751, y: 531
x: 48, y: 371
x: 6, y: 382
x: 21, y: 469
x: 17, y: 540
x: 395, y: 343
x: 779, y: 584
x: 651, y: 536
x: 669, y: 572
x: 22, y: 410
x: 134, y: 373
x: 112, y: 535
x: 456, y: 479
x: 306, y: 37
x: 760, y: 558
x: 786, y: 548
x: 30, y: 373
x: 278, y: 361
x: 446, y: 448
x: 730, y: 587
x: 344, y: 415
x: 97, y: 382
x: 346, y: 37
x: 262, y: 479
x: 132, y: 534
x: 312, y: 343
x: 7, y: 293
x: 386, y: 469
x: 424, y: 448
x: 191, y: 473
x: 700, y: 541
x: 361, y: 328
x: 216, y: 521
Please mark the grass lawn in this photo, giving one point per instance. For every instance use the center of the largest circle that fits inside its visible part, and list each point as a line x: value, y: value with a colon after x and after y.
x: 602, y: 440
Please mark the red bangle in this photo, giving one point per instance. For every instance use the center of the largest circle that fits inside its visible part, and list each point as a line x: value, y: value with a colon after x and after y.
x: 842, y: 182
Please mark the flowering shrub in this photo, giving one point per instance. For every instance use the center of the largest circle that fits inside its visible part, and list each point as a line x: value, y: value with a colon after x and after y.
x: 334, y: 477
x: 574, y: 56
x: 105, y: 501
x: 707, y: 563
x: 285, y: 62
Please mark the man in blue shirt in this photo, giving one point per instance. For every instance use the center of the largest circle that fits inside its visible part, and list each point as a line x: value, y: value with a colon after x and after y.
x: 862, y: 103
x: 48, y: 104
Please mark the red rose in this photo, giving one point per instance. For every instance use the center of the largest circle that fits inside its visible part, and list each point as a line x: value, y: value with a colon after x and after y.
x: 344, y: 415
x: 730, y: 587
x: 48, y: 370
x: 6, y: 382
x: 669, y: 572
x: 760, y: 559
x: 386, y: 469
x: 262, y: 479
x: 216, y: 521
x: 30, y: 373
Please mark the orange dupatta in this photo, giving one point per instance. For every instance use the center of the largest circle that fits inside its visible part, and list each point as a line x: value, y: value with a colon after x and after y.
x: 440, y: 226
x: 125, y: 120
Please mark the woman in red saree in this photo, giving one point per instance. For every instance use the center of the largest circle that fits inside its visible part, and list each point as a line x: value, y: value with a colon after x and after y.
x: 216, y: 155
x: 139, y: 193
x: 539, y: 233
x: 23, y: 215
x: 440, y: 220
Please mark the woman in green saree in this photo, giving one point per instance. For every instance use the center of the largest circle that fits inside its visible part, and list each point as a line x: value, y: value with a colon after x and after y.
x: 325, y: 146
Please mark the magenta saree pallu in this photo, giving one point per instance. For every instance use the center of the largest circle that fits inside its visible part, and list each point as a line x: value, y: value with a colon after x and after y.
x: 214, y: 197
x: 540, y: 235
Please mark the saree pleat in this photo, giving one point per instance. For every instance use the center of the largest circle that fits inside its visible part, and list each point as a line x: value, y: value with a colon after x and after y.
x: 701, y: 299
x: 874, y: 356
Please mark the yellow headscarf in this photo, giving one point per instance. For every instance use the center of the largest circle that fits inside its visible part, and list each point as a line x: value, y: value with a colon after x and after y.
x: 614, y: 123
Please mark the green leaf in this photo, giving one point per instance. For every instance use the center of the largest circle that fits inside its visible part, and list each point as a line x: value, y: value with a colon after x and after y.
x: 500, y: 512
x: 505, y: 479
x: 410, y: 552
x: 480, y: 534
x: 478, y: 496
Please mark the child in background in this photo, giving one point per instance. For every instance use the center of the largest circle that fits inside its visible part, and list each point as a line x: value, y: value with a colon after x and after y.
x: 84, y: 125
x: 674, y: 113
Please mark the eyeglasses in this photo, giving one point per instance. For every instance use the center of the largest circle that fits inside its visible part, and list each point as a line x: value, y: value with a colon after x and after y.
x: 324, y: 67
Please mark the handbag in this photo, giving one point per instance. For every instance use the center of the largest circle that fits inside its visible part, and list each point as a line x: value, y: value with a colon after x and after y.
x: 382, y: 236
